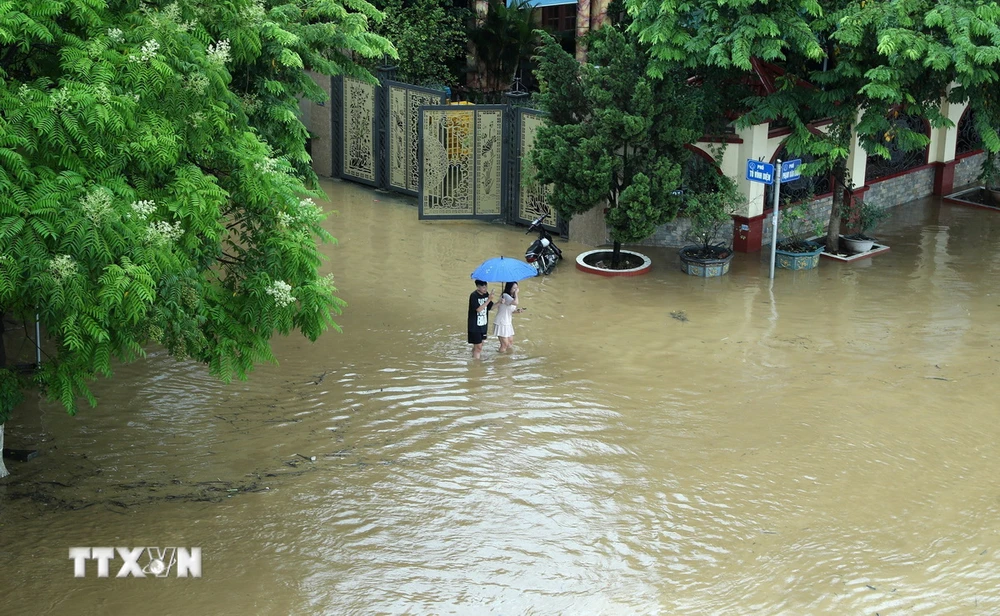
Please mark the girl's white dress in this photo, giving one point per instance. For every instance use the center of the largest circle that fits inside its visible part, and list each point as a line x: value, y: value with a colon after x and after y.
x: 503, y: 325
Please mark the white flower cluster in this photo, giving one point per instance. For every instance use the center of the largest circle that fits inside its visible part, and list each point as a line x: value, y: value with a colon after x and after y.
x: 102, y: 93
x: 97, y: 204
x: 196, y: 82
x: 285, y: 220
x: 281, y: 291
x: 327, y: 283
x: 196, y: 118
x: 268, y: 165
x: 62, y: 267
x: 147, y: 53
x: 96, y: 47
x: 59, y: 101
x: 169, y: 16
x: 162, y: 232
x: 250, y: 103
x: 116, y: 35
x: 23, y: 91
x: 171, y: 13
x: 143, y: 208
x: 218, y: 54
x: 309, y: 211
x: 253, y: 14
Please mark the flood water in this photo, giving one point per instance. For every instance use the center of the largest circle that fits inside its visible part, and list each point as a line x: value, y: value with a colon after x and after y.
x: 654, y: 445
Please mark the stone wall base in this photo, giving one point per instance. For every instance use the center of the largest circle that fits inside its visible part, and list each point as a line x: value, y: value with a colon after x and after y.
x: 591, y: 230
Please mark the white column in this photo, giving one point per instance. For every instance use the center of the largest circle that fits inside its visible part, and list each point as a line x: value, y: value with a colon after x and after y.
x: 754, y: 147
x: 857, y: 161
x: 944, y: 141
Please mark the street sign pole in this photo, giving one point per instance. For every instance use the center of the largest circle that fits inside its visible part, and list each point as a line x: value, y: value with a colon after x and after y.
x: 774, y: 219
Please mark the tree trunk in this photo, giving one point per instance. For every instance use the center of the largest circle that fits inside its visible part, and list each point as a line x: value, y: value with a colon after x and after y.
x: 3, y: 469
x: 616, y: 255
x: 839, y: 189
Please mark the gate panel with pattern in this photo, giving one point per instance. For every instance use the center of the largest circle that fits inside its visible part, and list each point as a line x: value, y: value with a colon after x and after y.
x: 355, y: 138
x: 462, y: 151
x: 402, y: 143
x: 461, y: 161
x: 532, y: 197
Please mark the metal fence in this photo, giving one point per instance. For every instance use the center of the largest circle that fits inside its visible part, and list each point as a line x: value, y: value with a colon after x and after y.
x: 460, y: 161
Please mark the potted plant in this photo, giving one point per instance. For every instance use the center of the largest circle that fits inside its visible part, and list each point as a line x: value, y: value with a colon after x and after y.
x: 710, y: 213
x: 796, y: 249
x: 865, y: 217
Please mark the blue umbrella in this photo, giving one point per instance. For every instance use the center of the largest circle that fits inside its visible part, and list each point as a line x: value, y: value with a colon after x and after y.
x: 504, y: 269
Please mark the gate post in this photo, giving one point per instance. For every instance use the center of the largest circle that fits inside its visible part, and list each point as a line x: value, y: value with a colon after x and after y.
x: 384, y: 72
x: 509, y: 170
x: 336, y: 127
x: 513, y: 99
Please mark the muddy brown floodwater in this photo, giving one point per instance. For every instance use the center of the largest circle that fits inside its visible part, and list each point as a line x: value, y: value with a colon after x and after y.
x: 828, y: 446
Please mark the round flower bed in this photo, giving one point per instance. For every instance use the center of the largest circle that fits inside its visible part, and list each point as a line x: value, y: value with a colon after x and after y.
x: 599, y: 262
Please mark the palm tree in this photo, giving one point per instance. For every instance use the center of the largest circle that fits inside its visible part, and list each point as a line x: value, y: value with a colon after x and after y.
x: 501, y: 39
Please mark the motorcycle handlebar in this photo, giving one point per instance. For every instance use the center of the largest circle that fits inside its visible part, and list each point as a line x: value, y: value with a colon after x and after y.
x: 534, y: 223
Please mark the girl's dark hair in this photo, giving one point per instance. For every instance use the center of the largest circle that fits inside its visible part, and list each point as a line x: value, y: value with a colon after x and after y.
x: 508, y: 288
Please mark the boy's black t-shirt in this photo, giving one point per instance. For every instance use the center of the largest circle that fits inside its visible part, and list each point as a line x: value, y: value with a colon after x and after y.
x: 477, y: 320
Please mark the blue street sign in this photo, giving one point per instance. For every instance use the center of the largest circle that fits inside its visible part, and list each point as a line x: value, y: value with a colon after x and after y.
x: 758, y: 171
x: 790, y: 170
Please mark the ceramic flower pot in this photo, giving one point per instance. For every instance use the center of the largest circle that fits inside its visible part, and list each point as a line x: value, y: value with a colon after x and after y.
x: 856, y: 245
x: 704, y: 267
x: 787, y: 259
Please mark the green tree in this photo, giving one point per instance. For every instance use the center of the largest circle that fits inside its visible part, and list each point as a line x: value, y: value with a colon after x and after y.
x: 710, y: 211
x: 864, y: 62
x: 614, y: 134
x: 274, y: 44
x: 430, y: 36
x: 142, y: 201
x: 501, y: 40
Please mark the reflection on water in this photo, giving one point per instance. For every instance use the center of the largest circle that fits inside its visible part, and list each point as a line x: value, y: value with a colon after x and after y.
x: 823, y: 446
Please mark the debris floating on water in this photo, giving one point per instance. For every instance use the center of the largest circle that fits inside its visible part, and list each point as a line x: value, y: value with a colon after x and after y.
x: 680, y: 316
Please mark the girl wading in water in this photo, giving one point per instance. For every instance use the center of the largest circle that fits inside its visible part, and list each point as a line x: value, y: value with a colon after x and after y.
x: 503, y: 326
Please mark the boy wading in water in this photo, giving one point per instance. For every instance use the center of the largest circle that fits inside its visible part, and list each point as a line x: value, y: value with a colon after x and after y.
x: 480, y: 303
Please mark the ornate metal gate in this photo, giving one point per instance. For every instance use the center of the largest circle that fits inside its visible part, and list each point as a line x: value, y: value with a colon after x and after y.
x: 531, y: 197
x: 355, y: 129
x: 403, y: 133
x: 463, y: 148
x: 461, y: 161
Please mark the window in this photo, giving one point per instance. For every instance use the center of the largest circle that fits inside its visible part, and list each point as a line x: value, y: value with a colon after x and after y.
x: 560, y: 18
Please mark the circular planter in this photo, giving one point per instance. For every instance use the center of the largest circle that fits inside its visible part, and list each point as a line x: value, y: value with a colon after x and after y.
x: 798, y: 260
x: 704, y: 268
x: 594, y: 255
x: 994, y: 195
x: 857, y: 246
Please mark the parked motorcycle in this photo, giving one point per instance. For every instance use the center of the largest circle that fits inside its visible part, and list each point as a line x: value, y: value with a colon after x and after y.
x: 543, y: 252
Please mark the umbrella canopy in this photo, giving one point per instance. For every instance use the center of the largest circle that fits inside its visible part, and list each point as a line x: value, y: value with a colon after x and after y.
x: 504, y: 269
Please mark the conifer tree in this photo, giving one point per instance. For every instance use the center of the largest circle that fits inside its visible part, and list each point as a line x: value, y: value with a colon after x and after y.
x: 614, y: 134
